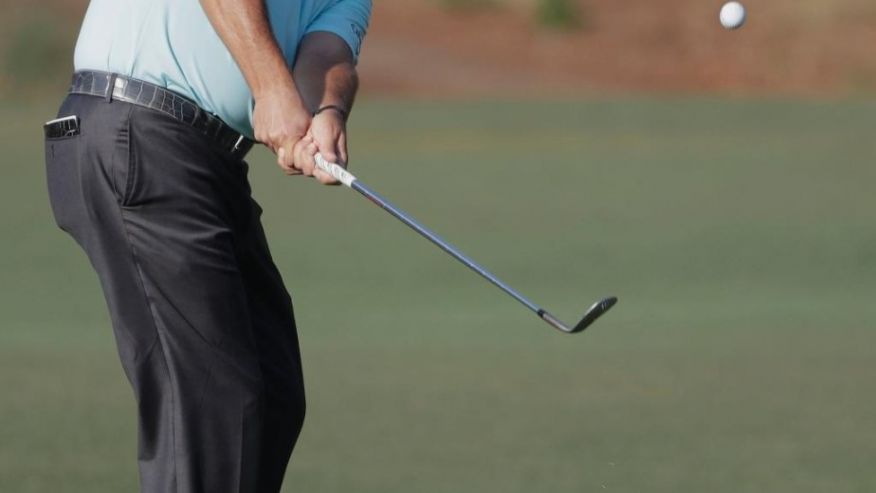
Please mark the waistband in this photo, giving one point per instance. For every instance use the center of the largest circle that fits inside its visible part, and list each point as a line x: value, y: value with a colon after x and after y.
x: 115, y: 87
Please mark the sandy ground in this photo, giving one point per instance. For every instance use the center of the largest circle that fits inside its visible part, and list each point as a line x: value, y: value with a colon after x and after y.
x: 428, y: 49
x: 798, y: 47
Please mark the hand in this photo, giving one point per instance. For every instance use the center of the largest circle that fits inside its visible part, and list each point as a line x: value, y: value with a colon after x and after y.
x: 303, y: 154
x: 280, y: 121
x: 329, y: 133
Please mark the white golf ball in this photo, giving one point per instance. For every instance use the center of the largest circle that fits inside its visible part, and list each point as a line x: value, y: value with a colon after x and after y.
x: 732, y: 15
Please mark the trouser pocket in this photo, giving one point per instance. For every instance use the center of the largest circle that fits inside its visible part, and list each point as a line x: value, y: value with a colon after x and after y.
x: 62, y: 176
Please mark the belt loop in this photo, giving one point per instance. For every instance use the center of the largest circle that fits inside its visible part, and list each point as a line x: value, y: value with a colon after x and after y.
x: 111, y: 86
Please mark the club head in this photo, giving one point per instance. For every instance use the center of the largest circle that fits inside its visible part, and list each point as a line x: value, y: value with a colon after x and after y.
x: 594, y: 312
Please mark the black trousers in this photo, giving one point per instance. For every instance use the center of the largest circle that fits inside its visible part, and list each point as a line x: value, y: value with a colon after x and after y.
x: 202, y: 321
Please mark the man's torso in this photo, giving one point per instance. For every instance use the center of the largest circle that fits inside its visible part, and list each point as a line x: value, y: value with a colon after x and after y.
x: 171, y: 43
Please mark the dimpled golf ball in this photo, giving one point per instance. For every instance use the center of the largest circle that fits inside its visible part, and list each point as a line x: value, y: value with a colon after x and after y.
x: 732, y: 15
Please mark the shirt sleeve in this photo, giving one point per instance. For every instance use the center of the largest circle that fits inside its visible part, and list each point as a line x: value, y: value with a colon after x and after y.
x: 347, y: 19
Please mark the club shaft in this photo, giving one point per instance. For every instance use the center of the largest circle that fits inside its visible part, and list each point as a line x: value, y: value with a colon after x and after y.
x: 343, y: 176
x: 438, y: 241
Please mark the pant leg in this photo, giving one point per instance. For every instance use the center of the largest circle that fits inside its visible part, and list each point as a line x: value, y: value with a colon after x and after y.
x: 276, y: 338
x: 82, y: 180
x: 158, y: 210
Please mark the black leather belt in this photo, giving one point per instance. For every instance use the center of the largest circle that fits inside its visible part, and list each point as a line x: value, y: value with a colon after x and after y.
x: 121, y: 88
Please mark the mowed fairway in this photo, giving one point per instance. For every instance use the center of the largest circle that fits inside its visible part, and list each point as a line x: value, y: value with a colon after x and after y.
x: 740, y: 237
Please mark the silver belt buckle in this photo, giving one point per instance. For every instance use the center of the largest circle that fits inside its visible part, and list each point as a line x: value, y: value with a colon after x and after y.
x: 118, y: 89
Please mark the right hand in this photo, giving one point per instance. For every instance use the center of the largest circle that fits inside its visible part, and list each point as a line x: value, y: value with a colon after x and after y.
x: 280, y: 121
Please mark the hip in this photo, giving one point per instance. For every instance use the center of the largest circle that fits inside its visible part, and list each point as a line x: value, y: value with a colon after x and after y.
x: 109, y: 153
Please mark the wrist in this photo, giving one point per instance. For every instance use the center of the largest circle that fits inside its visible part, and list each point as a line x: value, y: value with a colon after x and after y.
x: 334, y: 108
x: 282, y: 96
x: 277, y: 87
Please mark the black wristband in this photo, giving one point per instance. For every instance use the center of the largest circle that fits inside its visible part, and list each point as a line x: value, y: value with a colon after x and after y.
x: 337, y: 108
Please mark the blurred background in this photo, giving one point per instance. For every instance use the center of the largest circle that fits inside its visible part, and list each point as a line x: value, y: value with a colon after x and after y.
x: 720, y: 183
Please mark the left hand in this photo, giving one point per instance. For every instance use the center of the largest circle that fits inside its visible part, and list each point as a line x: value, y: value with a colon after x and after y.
x: 329, y: 132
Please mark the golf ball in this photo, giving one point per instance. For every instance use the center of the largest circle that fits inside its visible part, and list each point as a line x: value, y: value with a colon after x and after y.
x: 732, y: 15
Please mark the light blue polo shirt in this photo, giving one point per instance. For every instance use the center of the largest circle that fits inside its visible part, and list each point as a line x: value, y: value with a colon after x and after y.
x: 171, y: 43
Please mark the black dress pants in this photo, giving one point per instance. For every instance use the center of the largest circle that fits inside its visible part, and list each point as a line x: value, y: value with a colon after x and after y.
x: 202, y: 321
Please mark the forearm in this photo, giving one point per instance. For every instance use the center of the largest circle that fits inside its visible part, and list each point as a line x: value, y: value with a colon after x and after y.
x: 325, y: 72
x: 244, y: 28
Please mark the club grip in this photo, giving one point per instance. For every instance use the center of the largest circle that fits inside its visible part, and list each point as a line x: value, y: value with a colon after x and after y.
x: 335, y: 170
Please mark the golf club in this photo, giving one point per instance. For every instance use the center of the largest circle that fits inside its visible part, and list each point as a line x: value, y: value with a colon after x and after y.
x: 345, y: 177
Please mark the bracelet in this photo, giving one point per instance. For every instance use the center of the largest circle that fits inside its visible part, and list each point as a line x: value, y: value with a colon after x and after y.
x: 334, y: 107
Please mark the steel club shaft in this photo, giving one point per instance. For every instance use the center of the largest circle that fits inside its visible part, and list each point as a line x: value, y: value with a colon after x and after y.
x: 347, y: 178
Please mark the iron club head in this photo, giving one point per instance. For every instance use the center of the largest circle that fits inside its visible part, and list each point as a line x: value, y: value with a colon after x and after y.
x: 593, y: 313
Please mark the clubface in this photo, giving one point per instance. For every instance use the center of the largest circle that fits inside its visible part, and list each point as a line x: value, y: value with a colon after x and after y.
x: 595, y: 311
x: 592, y: 314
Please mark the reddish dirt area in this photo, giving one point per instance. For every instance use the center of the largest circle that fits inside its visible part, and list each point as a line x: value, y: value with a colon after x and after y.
x: 423, y: 48
x: 427, y: 49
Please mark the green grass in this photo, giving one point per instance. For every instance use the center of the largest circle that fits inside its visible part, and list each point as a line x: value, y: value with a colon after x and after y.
x: 559, y: 14
x: 739, y: 236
